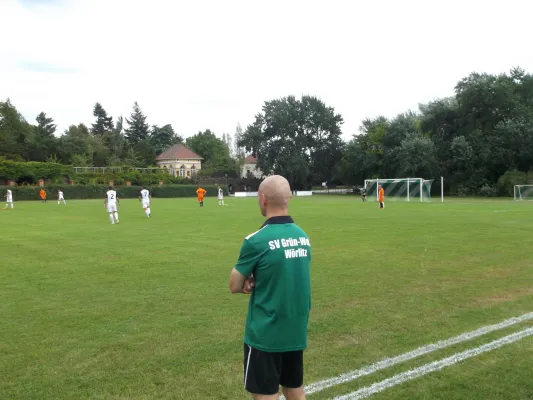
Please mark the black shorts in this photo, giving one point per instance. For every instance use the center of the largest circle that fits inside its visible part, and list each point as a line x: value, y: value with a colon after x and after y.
x: 264, y: 372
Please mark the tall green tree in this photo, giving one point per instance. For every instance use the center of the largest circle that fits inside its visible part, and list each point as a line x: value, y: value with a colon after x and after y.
x: 97, y: 151
x: 238, y: 151
x: 75, y: 140
x: 103, y: 122
x: 228, y: 141
x: 417, y: 157
x: 44, y: 141
x: 116, y: 142
x: 16, y: 135
x: 138, y: 129
x: 164, y: 137
x: 215, y: 153
x: 298, y: 138
x: 146, y: 152
x: 358, y: 163
x: 45, y: 126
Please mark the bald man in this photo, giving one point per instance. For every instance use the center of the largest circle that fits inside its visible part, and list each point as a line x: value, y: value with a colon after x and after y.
x: 274, y: 267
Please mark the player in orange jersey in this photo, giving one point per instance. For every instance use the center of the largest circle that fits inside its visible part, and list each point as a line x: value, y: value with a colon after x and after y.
x: 201, y: 193
x: 42, y: 193
x: 381, y: 197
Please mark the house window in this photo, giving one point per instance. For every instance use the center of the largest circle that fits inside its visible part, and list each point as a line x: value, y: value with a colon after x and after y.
x: 193, y: 170
x: 188, y: 173
x: 182, y: 171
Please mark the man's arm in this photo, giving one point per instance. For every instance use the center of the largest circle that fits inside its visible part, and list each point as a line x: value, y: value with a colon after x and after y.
x: 236, y: 281
x: 241, y: 278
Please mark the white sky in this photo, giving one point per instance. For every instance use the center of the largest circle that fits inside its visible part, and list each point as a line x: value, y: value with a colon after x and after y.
x: 211, y: 64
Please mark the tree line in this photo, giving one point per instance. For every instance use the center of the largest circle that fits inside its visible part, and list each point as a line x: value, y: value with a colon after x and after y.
x: 480, y: 140
x: 127, y: 142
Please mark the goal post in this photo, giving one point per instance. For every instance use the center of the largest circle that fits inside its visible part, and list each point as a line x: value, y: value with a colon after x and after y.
x: 523, y: 192
x: 406, y: 189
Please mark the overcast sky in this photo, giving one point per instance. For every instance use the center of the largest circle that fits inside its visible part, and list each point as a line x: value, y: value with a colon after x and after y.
x: 211, y: 64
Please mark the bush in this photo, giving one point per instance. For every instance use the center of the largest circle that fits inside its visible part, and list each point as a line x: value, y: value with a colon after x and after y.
x: 98, y: 191
x: 487, y: 191
x: 462, y: 191
x: 136, y: 178
x: 31, y: 172
x: 508, y: 180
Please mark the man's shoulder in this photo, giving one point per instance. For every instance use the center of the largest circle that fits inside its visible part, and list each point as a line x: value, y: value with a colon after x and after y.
x: 275, y: 231
x: 257, y: 235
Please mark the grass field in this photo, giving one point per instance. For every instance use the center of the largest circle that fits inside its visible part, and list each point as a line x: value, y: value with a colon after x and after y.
x: 142, y: 310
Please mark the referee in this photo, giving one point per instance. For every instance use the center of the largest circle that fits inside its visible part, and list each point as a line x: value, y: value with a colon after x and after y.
x: 273, y: 266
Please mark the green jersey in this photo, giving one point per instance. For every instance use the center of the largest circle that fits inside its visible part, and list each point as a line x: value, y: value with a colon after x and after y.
x: 278, y: 255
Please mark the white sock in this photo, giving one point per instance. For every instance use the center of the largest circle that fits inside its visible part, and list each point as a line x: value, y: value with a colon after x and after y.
x: 111, y: 218
x: 222, y: 202
x: 11, y: 205
x: 116, y: 216
x: 148, y: 211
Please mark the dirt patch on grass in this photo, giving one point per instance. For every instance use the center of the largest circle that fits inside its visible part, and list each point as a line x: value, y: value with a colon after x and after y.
x: 346, y: 340
x: 499, y: 273
x: 504, y: 297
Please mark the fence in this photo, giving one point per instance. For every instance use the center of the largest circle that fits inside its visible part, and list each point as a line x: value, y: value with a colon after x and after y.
x: 103, y: 170
x: 332, y: 191
x: 254, y: 194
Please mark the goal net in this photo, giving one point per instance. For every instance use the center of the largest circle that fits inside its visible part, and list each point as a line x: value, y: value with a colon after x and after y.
x: 523, y: 192
x: 406, y: 189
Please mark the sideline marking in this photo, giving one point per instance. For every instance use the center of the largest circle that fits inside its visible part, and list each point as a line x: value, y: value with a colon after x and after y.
x: 434, y: 366
x: 389, y: 362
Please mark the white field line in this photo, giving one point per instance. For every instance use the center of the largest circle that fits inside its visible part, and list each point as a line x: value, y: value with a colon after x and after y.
x: 434, y: 366
x: 389, y: 362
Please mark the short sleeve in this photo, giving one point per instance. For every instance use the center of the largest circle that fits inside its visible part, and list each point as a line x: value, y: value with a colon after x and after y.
x: 248, y: 259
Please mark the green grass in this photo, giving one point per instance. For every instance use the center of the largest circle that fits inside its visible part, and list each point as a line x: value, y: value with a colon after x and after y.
x: 142, y: 310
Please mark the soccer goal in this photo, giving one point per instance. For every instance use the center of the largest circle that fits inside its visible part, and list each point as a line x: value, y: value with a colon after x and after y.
x: 407, y: 189
x: 523, y: 192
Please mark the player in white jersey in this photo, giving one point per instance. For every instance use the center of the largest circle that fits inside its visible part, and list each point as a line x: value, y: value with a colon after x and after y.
x: 111, y: 202
x: 9, y: 199
x: 60, y: 197
x: 146, y: 198
x: 220, y: 196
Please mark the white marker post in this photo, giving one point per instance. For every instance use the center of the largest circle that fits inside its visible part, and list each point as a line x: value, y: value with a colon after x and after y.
x: 442, y: 189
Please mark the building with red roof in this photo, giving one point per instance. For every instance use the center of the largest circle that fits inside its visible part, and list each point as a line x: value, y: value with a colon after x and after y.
x: 179, y: 160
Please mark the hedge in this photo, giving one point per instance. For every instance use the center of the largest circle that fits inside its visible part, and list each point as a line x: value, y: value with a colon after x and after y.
x: 32, y: 171
x: 55, y: 173
x: 98, y: 191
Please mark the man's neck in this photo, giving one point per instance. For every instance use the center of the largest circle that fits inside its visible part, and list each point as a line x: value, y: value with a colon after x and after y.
x: 277, y: 213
